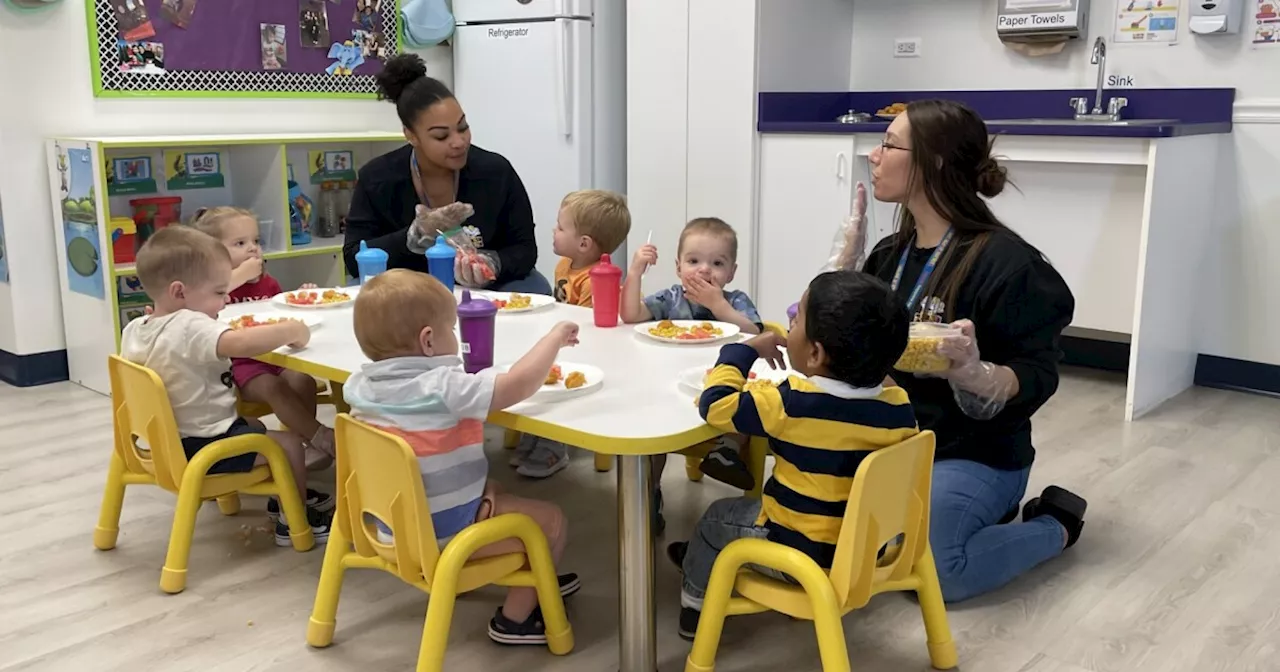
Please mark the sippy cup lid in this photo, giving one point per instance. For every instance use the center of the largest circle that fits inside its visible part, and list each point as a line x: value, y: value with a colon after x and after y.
x: 368, y: 254
x: 605, y: 267
x: 470, y: 307
x: 441, y: 250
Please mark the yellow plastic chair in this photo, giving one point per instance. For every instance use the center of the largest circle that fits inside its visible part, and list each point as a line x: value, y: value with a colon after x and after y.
x: 889, y: 499
x: 142, y: 411
x: 753, y: 454
x: 378, y: 476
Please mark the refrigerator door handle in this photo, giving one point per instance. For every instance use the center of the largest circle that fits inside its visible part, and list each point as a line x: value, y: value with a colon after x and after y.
x: 564, y: 78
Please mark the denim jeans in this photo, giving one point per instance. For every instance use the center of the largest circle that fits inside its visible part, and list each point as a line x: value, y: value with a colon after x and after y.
x: 973, y: 552
x: 534, y: 283
x: 725, y: 521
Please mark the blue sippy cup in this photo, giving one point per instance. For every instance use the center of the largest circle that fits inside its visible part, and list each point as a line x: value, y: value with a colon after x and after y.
x: 440, y: 259
x: 370, y: 261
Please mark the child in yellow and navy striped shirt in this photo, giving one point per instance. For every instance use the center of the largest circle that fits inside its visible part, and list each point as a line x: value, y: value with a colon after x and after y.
x: 848, y: 333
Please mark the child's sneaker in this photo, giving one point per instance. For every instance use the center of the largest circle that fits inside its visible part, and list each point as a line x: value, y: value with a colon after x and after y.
x: 522, y: 450
x: 315, y: 500
x: 320, y: 522
x: 506, y: 631
x: 689, y: 623
x: 724, y: 463
x: 569, y: 584
x: 546, y: 458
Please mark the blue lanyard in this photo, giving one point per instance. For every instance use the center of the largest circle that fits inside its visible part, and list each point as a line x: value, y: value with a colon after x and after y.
x: 417, y: 180
x: 924, y: 273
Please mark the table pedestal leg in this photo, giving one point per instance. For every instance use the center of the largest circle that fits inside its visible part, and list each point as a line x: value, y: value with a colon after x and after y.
x: 638, y: 650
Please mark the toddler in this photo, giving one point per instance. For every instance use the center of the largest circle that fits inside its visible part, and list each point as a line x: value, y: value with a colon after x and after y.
x: 415, y: 388
x: 591, y: 223
x: 849, y: 332
x: 706, y: 261
x: 188, y: 275
x: 290, y: 394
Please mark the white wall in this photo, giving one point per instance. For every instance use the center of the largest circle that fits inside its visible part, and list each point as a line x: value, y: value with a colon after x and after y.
x: 51, y: 95
x: 960, y: 51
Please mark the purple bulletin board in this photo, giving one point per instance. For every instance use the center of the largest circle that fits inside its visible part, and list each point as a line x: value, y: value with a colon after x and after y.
x: 221, y: 50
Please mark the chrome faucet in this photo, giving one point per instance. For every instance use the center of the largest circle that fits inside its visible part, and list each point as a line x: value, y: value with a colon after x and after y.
x: 1117, y: 103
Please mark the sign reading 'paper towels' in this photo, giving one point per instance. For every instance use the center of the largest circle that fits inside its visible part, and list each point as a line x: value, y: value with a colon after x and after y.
x: 1041, y: 19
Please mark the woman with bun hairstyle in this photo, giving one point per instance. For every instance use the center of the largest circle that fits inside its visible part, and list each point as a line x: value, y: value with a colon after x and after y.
x: 952, y: 261
x: 440, y: 182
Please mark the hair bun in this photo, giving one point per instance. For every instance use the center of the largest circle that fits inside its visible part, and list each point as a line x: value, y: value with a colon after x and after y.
x: 991, y: 178
x: 398, y: 73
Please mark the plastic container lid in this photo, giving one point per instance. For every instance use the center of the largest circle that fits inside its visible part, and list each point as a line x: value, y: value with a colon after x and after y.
x: 126, y: 225
x: 370, y: 254
x: 470, y: 307
x: 441, y: 250
x: 921, y: 355
x: 605, y: 268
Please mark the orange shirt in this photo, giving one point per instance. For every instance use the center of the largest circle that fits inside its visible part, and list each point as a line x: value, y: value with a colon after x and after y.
x: 573, y: 286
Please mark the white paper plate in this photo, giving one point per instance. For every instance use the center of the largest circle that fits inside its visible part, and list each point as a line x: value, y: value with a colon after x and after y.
x: 691, y: 379
x: 279, y: 299
x: 558, y: 392
x: 312, y: 321
x: 727, y: 330
x: 536, y: 301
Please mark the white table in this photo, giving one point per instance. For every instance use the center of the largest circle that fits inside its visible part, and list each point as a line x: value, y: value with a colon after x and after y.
x: 637, y: 412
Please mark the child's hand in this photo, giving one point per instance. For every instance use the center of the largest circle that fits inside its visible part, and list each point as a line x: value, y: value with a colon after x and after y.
x: 299, y: 334
x: 248, y: 271
x: 308, y: 285
x: 565, y: 334
x: 647, y: 255
x: 768, y: 345
x: 704, y: 293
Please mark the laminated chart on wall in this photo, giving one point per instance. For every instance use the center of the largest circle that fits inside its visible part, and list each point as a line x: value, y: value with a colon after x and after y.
x: 1266, y: 22
x: 1146, y: 22
x: 265, y: 48
x: 80, y: 220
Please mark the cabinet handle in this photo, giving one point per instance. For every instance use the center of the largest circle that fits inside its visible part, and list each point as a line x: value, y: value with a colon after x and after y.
x: 840, y: 159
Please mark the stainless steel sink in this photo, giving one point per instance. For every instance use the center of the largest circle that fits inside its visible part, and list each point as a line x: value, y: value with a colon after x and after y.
x: 1083, y: 122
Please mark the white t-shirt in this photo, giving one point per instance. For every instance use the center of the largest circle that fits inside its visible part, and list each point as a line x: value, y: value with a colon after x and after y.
x: 182, y: 348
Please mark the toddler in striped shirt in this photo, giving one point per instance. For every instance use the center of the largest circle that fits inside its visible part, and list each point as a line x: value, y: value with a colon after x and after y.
x: 415, y: 388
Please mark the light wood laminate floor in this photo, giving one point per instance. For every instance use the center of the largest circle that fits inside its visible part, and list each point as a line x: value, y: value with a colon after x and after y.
x: 1176, y: 570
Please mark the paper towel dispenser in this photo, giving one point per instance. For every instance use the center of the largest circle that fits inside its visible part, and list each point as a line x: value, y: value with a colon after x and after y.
x: 1215, y: 17
x: 1041, y: 20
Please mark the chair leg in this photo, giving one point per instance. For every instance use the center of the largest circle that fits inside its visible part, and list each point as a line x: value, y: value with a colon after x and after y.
x: 942, y: 649
x: 715, y: 607
x: 691, y: 468
x: 292, y: 506
x: 756, y: 450
x: 435, y: 630
x: 229, y: 505
x: 510, y: 439
x: 604, y: 462
x: 173, y: 577
x: 339, y: 402
x: 108, y: 529
x: 556, y: 622
x: 324, y: 614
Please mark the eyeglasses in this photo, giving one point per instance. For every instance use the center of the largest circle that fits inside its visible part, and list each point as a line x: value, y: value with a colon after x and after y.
x: 886, y: 146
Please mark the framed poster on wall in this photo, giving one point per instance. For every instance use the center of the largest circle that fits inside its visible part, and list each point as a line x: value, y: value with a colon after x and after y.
x: 240, y: 48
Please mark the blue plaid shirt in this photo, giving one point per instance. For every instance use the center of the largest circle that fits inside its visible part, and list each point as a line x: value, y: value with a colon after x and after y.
x: 671, y: 304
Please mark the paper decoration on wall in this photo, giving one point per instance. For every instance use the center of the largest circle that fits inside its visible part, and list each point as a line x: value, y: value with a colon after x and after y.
x: 328, y: 166
x: 142, y: 57
x: 80, y: 221
x: 1146, y: 22
x: 132, y: 19
x: 313, y: 23
x: 193, y: 170
x: 1266, y: 21
x: 130, y: 175
x: 348, y: 57
x: 373, y: 44
x: 178, y: 11
x: 274, y: 51
x: 366, y: 14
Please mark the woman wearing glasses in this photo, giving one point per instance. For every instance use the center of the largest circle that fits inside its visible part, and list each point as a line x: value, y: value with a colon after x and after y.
x: 952, y: 261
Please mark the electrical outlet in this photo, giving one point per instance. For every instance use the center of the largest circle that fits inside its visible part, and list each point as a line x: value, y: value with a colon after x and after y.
x: 906, y: 47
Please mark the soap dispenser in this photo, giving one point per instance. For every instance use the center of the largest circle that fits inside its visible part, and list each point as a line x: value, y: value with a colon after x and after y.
x: 1216, y: 17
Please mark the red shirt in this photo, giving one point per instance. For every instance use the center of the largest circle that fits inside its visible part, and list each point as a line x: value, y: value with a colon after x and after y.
x: 264, y: 287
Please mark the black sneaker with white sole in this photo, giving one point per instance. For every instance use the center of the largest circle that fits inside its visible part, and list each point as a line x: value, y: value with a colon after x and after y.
x: 569, y: 584
x: 725, y: 465
x: 315, y: 500
x: 689, y: 623
x: 506, y: 631
x: 320, y: 523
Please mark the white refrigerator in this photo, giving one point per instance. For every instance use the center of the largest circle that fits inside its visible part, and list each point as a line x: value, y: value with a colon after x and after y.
x: 543, y: 82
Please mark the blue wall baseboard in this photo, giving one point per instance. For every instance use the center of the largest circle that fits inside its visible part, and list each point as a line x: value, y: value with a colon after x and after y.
x: 37, y: 369
x: 1211, y: 371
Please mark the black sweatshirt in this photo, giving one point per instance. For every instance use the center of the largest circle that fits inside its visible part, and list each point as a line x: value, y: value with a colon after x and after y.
x: 1019, y: 306
x: 382, y: 209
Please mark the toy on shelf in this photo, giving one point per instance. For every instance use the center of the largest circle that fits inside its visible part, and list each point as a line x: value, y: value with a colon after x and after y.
x: 123, y: 240
x: 301, y: 214
x: 152, y: 214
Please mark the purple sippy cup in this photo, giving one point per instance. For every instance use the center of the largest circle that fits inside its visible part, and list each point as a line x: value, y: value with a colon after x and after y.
x: 476, y: 324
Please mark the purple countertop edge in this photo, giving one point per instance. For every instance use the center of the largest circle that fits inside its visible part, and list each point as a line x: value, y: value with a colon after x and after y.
x: 1197, y: 111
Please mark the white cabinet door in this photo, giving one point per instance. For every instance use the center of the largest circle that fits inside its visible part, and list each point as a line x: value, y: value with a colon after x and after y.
x: 806, y: 191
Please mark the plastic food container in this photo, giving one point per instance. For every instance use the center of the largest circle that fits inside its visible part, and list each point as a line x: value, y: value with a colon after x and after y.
x: 921, y: 355
x: 123, y: 246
